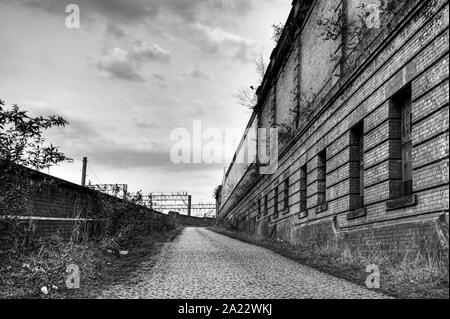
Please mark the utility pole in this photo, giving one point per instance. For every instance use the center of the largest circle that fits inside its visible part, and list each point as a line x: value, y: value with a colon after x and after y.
x: 83, y: 173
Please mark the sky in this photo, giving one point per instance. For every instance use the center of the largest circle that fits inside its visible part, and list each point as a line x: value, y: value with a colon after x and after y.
x: 135, y: 72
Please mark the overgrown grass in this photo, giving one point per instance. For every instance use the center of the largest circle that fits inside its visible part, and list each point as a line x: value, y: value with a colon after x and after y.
x: 411, y: 276
x: 24, y: 272
x: 36, y: 266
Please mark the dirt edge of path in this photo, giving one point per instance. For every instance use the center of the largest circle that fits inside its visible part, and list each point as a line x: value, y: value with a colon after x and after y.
x: 114, y: 269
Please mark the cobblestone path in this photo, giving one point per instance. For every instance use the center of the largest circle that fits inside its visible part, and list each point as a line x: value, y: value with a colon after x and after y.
x: 203, y: 264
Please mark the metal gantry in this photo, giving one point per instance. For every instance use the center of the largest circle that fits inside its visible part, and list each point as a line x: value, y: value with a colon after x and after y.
x: 164, y: 202
x: 180, y: 202
x: 117, y: 190
x: 204, y: 210
x: 199, y: 210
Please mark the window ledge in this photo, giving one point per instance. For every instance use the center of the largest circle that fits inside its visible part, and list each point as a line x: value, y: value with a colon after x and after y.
x: 358, y: 213
x: 303, y: 215
x: 275, y: 216
x: 285, y: 211
x: 402, y: 202
x: 321, y: 208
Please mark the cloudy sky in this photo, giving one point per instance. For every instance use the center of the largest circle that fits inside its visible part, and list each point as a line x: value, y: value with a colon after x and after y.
x: 135, y: 71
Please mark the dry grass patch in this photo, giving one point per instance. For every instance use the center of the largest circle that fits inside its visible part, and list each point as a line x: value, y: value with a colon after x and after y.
x: 24, y: 272
x: 412, y: 276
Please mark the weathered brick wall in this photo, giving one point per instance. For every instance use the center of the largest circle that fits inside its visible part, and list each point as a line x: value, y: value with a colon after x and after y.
x: 58, y: 206
x: 64, y: 200
x: 286, y: 90
x: 193, y: 221
x: 400, y: 237
x: 410, y: 49
x: 319, y: 55
x: 266, y: 118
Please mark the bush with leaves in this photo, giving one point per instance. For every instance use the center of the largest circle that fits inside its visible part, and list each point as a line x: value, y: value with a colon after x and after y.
x: 21, y: 138
x: 22, y: 146
x: 128, y: 221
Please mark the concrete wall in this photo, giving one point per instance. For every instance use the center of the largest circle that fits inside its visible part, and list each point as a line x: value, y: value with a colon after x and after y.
x: 411, y: 48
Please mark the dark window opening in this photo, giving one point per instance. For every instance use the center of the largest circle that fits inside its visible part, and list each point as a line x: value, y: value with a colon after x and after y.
x: 358, y: 140
x: 259, y: 207
x: 286, y: 195
x: 303, y: 186
x: 402, y: 103
x: 321, y: 177
x: 276, y: 199
x: 266, y: 204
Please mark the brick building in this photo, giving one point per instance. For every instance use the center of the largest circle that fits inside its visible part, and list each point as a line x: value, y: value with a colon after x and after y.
x: 362, y: 111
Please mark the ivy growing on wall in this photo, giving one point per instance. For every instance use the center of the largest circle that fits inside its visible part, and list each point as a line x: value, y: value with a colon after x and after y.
x: 331, y: 27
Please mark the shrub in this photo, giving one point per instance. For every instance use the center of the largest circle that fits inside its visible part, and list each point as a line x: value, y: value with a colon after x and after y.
x: 128, y: 221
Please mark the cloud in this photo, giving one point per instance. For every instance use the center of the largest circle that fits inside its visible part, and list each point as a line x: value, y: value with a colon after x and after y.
x: 136, y: 11
x: 196, y: 10
x: 159, y: 77
x: 124, y: 157
x: 221, y: 42
x: 113, y: 10
x: 189, y: 14
x: 152, y: 52
x: 125, y: 64
x: 145, y: 125
x: 116, y: 63
x: 114, y: 31
x: 160, y: 81
x: 81, y: 137
x: 197, y: 73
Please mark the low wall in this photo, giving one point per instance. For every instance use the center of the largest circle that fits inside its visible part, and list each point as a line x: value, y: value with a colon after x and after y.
x: 193, y: 221
x: 58, y: 206
x: 429, y: 234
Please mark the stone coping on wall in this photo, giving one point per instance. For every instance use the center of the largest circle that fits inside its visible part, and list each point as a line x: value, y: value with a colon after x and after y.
x: 48, y: 218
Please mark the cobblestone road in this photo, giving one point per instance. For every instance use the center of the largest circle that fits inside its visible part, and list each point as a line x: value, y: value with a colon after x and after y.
x: 204, y: 264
